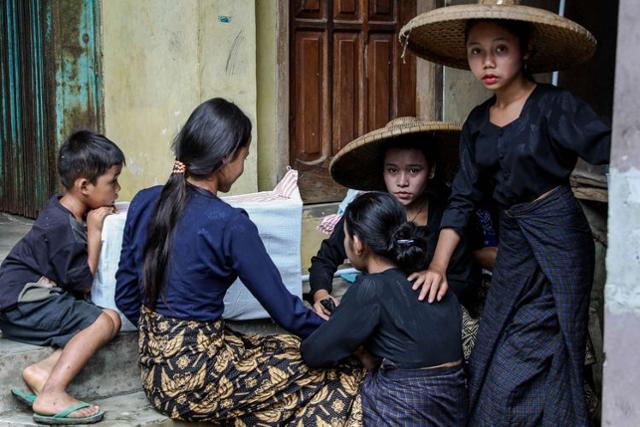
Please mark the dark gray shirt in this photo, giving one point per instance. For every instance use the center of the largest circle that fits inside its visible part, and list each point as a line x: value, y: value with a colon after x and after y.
x: 55, y: 247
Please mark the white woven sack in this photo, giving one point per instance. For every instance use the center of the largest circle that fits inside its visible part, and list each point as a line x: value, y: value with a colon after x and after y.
x: 104, y: 284
x: 278, y: 216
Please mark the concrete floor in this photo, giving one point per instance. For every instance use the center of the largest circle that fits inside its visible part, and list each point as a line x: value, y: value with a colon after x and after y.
x: 12, y: 228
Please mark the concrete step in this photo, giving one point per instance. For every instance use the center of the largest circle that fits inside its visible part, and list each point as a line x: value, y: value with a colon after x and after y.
x: 131, y: 409
x: 113, y: 370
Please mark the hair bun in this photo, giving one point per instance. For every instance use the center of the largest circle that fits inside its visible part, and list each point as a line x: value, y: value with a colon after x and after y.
x: 409, y: 247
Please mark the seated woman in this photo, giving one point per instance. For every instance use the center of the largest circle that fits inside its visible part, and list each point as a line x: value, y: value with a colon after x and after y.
x: 182, y: 249
x: 421, y: 380
x: 412, y: 160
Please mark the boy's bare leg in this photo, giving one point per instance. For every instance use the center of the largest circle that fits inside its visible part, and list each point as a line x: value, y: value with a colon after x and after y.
x: 36, y: 375
x: 53, y: 398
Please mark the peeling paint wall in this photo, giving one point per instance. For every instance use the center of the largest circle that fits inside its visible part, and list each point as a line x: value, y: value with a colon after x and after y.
x: 621, y: 401
x: 161, y: 58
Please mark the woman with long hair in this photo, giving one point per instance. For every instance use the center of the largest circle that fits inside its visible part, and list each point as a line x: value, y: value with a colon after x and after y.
x: 182, y: 249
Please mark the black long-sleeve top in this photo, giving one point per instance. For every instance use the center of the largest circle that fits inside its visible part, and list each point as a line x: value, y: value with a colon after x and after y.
x: 462, y: 273
x: 381, y: 312
x: 528, y: 157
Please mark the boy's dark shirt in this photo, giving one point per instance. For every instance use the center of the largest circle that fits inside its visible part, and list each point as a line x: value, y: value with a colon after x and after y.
x: 55, y: 247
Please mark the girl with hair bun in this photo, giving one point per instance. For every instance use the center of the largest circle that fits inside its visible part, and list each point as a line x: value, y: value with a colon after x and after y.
x: 412, y: 348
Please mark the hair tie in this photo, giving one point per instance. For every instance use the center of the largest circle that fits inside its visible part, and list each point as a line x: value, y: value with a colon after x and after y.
x: 178, y: 167
x: 405, y: 241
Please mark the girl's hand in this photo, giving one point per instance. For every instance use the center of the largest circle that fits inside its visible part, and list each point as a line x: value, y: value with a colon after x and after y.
x: 432, y: 281
x: 317, y: 305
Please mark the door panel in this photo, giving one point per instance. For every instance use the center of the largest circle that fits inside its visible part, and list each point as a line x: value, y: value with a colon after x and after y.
x: 380, y: 90
x: 308, y: 9
x: 347, y: 78
x: 346, y: 87
x: 309, y: 107
x: 346, y: 10
x: 381, y: 10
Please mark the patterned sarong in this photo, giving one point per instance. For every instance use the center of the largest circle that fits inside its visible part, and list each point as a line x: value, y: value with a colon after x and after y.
x: 414, y: 397
x: 527, y: 365
x: 203, y: 371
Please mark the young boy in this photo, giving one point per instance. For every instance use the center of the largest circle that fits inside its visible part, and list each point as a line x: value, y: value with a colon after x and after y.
x: 45, y: 280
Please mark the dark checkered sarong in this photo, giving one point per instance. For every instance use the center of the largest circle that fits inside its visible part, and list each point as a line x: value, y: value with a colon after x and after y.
x: 414, y: 397
x: 527, y: 366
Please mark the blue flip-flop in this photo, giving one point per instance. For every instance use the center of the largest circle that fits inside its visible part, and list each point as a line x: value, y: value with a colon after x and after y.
x: 23, y: 397
x: 63, y: 418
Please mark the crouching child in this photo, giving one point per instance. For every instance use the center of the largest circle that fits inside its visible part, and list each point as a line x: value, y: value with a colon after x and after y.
x: 46, y: 279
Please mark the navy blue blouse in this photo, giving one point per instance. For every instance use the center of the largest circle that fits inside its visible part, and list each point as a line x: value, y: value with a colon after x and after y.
x: 212, y: 244
x: 528, y: 157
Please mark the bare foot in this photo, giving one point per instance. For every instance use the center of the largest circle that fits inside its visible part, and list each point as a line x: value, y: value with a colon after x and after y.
x: 51, y: 403
x: 36, y: 375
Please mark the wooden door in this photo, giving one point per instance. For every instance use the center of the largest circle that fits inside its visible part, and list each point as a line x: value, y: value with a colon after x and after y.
x: 346, y: 78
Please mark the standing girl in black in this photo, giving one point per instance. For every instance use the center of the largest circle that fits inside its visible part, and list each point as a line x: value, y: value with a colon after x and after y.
x: 521, y: 146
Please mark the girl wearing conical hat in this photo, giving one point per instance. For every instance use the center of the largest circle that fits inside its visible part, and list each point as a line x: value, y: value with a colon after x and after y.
x: 520, y: 147
x: 410, y: 159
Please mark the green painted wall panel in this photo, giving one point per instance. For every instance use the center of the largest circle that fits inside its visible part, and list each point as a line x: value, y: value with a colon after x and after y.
x: 51, y: 85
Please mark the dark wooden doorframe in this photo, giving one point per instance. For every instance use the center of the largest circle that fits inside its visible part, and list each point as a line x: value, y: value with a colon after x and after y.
x: 338, y: 78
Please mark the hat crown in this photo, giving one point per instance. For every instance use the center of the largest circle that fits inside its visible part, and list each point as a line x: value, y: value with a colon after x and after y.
x: 499, y: 2
x: 403, y: 121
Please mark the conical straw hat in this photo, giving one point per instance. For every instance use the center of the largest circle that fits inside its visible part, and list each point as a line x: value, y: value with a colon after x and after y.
x: 439, y: 35
x: 359, y: 164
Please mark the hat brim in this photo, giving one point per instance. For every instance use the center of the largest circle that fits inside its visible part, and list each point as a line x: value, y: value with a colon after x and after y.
x: 359, y: 164
x: 439, y: 35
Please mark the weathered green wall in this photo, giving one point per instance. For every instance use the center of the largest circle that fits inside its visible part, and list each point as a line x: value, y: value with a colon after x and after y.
x: 161, y: 58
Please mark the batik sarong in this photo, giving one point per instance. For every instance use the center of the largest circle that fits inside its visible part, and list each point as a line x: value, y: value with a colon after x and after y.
x: 414, y: 397
x: 527, y: 365
x: 203, y: 371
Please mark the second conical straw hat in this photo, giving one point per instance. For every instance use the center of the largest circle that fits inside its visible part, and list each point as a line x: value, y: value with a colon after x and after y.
x: 359, y: 164
x: 439, y: 35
